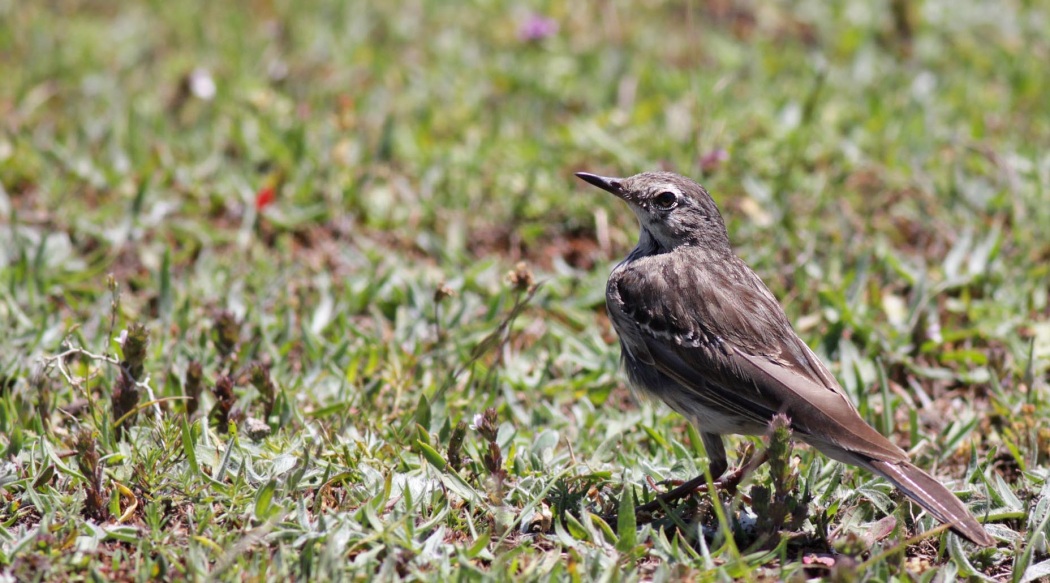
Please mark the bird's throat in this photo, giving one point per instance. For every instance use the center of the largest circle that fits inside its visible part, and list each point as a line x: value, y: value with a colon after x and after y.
x: 647, y: 245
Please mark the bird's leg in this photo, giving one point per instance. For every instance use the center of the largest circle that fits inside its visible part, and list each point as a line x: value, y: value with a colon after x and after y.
x: 729, y: 482
x: 718, y: 463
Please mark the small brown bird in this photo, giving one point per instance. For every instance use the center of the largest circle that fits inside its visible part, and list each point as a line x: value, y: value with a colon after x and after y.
x: 699, y: 330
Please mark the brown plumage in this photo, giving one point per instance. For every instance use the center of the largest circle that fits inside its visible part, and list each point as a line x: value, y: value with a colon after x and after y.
x: 699, y: 330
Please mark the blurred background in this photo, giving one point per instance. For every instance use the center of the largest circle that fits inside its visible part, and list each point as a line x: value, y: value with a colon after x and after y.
x: 349, y: 184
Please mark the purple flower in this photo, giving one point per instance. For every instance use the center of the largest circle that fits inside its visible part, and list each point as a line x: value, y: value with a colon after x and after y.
x: 537, y: 27
x: 713, y: 159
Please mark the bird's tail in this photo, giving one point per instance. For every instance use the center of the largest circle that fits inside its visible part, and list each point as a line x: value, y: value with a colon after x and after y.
x: 934, y: 497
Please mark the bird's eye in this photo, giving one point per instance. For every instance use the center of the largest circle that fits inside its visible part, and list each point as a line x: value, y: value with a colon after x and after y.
x: 666, y: 200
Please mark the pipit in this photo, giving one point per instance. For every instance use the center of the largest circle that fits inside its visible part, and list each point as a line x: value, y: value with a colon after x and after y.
x: 700, y: 331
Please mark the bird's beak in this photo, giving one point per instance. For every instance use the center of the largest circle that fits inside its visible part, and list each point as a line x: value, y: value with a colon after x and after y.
x: 612, y: 185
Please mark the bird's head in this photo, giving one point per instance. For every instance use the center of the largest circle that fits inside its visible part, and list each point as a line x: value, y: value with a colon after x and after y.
x: 673, y: 209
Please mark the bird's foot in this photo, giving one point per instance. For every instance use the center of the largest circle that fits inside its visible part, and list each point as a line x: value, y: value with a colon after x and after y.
x: 727, y: 482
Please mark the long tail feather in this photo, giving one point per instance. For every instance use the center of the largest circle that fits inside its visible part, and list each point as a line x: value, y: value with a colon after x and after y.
x: 934, y: 497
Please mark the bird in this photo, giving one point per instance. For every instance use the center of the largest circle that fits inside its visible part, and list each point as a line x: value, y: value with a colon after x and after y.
x: 700, y: 331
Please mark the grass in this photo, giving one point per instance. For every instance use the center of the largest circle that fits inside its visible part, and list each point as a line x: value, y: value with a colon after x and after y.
x: 372, y: 291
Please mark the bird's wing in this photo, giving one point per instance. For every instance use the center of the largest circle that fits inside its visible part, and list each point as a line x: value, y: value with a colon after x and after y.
x: 713, y: 326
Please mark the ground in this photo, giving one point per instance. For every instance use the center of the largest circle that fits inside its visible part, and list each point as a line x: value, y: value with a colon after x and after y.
x: 308, y: 289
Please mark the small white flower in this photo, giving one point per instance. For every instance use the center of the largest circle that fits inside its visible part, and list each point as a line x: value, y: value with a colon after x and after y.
x: 202, y: 85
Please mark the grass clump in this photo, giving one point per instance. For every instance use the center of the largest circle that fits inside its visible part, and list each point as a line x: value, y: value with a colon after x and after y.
x: 349, y: 231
